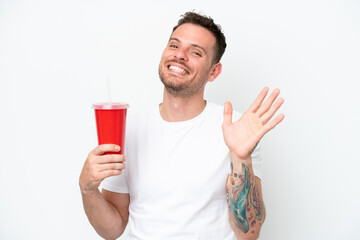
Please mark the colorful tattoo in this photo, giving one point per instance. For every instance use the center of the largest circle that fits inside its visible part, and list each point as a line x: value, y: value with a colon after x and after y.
x: 244, y: 200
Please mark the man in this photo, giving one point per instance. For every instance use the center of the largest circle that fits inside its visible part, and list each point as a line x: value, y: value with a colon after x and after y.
x: 180, y: 154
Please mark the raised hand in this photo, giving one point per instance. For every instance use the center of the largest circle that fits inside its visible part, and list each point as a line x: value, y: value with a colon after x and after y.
x: 243, y: 135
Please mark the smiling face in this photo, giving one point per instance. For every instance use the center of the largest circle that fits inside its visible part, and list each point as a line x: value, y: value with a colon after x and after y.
x: 186, y: 63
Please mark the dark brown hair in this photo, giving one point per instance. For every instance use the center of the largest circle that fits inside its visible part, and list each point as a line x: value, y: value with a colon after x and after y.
x: 208, y: 23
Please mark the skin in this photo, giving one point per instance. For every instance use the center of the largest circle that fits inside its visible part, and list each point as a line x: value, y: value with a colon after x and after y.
x: 191, y: 48
x: 241, y: 137
x: 108, y: 212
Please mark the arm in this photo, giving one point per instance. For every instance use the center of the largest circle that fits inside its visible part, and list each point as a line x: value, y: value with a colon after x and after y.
x: 244, y: 195
x: 107, y: 211
x: 245, y: 202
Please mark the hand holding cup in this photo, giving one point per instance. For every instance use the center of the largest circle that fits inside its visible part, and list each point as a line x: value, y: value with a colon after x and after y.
x: 100, y: 165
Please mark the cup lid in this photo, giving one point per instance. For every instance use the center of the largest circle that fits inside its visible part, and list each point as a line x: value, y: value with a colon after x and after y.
x: 110, y: 105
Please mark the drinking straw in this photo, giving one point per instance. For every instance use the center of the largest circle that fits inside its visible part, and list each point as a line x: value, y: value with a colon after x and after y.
x: 108, y: 89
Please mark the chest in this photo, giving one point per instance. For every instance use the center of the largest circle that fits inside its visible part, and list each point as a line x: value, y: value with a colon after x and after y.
x: 174, y: 163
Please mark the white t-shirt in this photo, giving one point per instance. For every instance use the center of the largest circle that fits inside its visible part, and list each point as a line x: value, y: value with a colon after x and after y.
x: 176, y: 175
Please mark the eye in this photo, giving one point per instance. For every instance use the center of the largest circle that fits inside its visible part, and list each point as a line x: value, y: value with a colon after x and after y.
x: 196, y: 53
x: 173, y: 46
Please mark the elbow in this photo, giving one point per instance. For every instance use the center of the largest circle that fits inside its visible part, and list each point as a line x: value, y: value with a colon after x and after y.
x: 110, y: 236
x: 112, y: 233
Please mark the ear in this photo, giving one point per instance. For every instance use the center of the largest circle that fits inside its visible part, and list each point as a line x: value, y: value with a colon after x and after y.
x: 215, y: 71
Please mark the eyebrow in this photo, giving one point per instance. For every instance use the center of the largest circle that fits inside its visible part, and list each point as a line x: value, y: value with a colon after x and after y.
x: 194, y: 45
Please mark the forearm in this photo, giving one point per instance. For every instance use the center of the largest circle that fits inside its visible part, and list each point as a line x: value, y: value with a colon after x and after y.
x: 103, y: 216
x: 244, y: 198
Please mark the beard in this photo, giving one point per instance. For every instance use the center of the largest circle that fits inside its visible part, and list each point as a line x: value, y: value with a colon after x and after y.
x: 186, y: 89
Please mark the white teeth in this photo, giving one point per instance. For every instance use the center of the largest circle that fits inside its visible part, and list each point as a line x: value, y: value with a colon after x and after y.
x: 177, y: 69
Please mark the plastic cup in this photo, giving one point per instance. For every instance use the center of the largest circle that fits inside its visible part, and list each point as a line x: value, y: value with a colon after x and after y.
x: 111, y: 123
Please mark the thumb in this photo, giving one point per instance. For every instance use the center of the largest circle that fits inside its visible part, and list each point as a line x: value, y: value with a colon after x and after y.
x: 228, y: 110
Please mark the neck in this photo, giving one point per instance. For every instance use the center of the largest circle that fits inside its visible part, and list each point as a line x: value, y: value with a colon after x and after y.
x: 176, y: 109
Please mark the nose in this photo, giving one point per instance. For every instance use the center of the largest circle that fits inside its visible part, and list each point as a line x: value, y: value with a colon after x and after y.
x: 181, y: 55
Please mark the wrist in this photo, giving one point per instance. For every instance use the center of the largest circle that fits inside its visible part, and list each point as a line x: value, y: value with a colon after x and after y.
x: 239, y: 165
x: 236, y: 159
x: 89, y: 191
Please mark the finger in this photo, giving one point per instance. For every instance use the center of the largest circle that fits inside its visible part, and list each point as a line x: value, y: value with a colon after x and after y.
x: 104, y: 148
x: 269, y: 114
x: 109, y: 173
x: 111, y: 166
x: 259, y: 99
x: 111, y: 158
x: 228, y: 110
x: 268, y: 102
x: 273, y: 123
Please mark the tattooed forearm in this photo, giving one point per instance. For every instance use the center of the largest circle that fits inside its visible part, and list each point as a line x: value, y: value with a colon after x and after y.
x: 244, y: 200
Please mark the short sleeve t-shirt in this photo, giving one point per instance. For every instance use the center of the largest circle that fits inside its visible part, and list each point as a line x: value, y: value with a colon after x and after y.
x: 176, y: 174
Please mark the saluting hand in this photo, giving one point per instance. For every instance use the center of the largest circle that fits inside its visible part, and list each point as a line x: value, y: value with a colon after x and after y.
x: 243, y: 135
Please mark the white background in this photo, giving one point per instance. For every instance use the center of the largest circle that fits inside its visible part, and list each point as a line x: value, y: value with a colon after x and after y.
x: 54, y: 59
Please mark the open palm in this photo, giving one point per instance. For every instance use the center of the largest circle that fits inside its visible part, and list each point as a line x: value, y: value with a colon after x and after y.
x: 243, y: 135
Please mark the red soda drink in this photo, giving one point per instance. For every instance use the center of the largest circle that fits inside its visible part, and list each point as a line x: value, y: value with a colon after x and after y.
x: 111, y: 123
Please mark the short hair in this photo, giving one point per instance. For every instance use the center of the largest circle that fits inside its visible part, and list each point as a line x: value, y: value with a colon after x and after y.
x: 208, y: 23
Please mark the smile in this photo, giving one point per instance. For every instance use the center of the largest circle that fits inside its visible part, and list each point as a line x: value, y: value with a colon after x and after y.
x: 178, y: 69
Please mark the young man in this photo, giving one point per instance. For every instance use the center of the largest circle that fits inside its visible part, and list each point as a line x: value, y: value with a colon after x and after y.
x: 183, y: 153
